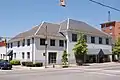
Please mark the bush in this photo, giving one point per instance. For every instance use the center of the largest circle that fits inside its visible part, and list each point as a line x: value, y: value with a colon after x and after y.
x: 23, y: 63
x: 15, y: 62
x: 38, y: 64
x: 30, y: 64
x: 1, y: 60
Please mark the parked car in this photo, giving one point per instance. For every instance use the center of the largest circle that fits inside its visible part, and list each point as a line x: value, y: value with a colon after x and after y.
x: 5, y: 65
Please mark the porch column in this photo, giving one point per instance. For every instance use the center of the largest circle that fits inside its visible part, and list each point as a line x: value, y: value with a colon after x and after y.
x: 110, y: 57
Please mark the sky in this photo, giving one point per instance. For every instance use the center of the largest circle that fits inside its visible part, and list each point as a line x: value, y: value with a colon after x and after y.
x: 17, y: 16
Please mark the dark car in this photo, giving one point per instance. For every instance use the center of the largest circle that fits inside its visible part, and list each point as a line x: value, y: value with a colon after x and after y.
x: 5, y: 65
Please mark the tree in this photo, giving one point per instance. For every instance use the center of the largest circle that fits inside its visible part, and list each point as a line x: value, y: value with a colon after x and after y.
x: 80, y: 48
x: 116, y: 48
x: 65, y: 58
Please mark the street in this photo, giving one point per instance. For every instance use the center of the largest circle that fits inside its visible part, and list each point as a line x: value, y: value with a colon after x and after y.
x: 89, y: 73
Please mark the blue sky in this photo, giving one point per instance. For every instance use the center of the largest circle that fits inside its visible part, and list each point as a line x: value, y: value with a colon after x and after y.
x: 20, y: 15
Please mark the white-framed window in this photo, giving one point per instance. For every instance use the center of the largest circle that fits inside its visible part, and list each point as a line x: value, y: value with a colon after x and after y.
x: 14, y: 55
x: 18, y: 44
x: 52, y: 42
x: 107, y: 41
x: 28, y: 55
x: 61, y: 43
x: 1, y: 56
x: 100, y: 40
x: 23, y: 42
x: 74, y: 37
x: 104, y: 28
x: 92, y: 39
x: 28, y: 42
x: 23, y: 55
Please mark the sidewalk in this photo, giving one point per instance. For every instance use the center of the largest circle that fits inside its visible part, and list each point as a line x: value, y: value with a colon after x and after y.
x: 71, y: 66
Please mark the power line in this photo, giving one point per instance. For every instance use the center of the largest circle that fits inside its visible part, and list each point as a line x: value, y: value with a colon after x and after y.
x: 105, y: 5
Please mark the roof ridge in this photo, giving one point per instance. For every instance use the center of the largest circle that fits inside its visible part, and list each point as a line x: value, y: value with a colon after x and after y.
x: 39, y: 28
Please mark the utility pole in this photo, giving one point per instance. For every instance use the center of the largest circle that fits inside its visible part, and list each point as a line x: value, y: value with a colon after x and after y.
x: 109, y: 16
x: 46, y: 47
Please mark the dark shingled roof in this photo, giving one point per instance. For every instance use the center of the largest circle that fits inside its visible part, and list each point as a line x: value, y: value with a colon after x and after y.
x: 80, y: 26
x: 53, y: 29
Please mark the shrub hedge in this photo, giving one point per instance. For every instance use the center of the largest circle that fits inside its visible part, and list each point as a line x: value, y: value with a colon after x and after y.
x: 31, y: 64
x: 15, y: 62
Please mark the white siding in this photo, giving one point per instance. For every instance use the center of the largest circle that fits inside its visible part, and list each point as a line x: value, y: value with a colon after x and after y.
x: 71, y: 44
x: 19, y: 50
x: 2, y: 52
x: 41, y: 49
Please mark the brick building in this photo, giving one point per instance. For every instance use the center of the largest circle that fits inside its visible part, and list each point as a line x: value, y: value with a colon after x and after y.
x: 112, y: 28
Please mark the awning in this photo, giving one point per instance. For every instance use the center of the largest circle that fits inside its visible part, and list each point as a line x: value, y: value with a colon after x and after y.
x: 93, y: 51
x: 107, y: 51
x: 99, y: 51
x: 9, y: 53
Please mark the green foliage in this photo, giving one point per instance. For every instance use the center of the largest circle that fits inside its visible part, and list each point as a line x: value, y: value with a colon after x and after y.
x: 1, y: 60
x: 38, y: 64
x: 80, y: 48
x: 31, y: 64
x: 15, y: 62
x: 28, y: 64
x: 116, y: 48
x: 64, y: 58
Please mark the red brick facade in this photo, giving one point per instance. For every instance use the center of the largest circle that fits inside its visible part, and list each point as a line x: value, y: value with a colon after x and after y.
x: 112, y: 28
x: 2, y: 43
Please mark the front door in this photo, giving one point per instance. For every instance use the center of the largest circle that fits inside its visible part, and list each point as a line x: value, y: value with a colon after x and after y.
x: 52, y: 57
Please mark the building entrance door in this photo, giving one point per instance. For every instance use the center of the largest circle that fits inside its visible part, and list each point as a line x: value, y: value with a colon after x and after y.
x: 52, y: 57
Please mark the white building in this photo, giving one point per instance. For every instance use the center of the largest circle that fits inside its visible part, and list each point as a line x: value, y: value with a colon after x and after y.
x: 3, y: 48
x: 30, y: 45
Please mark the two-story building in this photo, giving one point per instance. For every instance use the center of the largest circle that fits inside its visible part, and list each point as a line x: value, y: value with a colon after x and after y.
x: 30, y: 45
x: 3, y: 48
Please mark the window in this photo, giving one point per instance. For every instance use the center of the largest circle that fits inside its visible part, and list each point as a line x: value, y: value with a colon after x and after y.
x: 104, y: 27
x: 14, y: 55
x: 1, y: 56
x: 42, y: 41
x: 28, y: 55
x: 28, y: 42
x: 61, y: 43
x: 23, y: 55
x: 92, y: 39
x: 100, y: 40
x: 11, y: 45
x: 107, y: 41
x: 110, y: 27
x: 32, y: 40
x: 85, y: 37
x: 8, y: 45
x: 52, y: 42
x: 74, y: 37
x: 18, y: 43
x: 23, y: 43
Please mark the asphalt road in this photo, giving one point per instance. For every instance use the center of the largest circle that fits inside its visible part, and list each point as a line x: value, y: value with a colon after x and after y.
x: 64, y: 74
